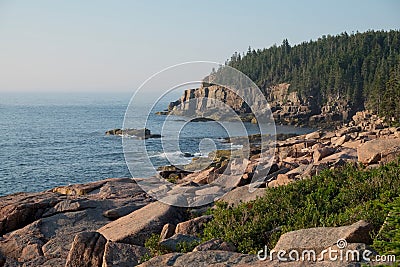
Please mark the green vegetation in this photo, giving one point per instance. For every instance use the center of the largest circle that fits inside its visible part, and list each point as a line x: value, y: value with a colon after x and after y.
x: 186, y: 247
x: 173, y: 178
x: 156, y: 249
x: 332, y: 198
x: 387, y: 241
x: 153, y: 245
x: 361, y: 69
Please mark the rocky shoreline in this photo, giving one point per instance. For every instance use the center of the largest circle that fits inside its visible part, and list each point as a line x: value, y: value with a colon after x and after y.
x: 366, y: 139
x: 107, y: 223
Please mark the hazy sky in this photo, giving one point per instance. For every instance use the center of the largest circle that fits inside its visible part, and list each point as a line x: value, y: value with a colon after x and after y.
x: 67, y: 45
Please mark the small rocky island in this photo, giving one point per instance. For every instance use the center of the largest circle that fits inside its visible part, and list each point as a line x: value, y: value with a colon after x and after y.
x: 138, y: 133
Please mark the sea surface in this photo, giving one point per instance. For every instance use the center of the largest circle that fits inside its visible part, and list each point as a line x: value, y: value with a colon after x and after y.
x: 53, y: 139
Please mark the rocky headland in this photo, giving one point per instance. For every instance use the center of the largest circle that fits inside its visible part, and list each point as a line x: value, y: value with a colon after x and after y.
x: 107, y: 223
x: 287, y: 106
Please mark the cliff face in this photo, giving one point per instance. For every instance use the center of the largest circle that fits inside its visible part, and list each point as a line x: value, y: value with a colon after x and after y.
x: 287, y: 107
x: 217, y: 102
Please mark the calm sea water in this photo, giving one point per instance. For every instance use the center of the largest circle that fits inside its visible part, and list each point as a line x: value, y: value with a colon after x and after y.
x: 49, y: 140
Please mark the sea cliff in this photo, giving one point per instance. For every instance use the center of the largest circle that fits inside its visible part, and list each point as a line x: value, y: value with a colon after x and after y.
x: 287, y: 106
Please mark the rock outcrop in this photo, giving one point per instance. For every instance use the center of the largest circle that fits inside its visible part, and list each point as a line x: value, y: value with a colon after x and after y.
x: 106, y: 223
x: 215, y: 244
x: 18, y: 210
x: 136, y: 227
x: 218, y: 103
x: 194, y: 226
x: 139, y: 133
x: 45, y: 237
x: 287, y: 106
x: 241, y: 195
x: 123, y: 255
x: 301, y: 157
x: 313, y: 240
x: 375, y: 150
x: 87, y: 250
x: 321, y: 238
x: 167, y: 231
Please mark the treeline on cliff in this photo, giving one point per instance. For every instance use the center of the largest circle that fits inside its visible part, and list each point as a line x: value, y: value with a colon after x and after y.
x: 361, y: 68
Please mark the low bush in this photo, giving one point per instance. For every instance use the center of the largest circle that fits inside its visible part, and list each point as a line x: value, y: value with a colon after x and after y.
x: 332, y: 198
x: 387, y: 242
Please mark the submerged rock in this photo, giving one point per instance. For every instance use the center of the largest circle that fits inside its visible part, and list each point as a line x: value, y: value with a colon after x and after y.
x: 201, y: 119
x: 163, y: 113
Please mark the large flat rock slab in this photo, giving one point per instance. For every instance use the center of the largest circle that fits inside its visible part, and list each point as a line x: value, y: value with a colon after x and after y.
x: 242, y: 194
x: 371, y: 152
x: 136, y: 227
x: 38, y: 229
x: 320, y: 238
x: 18, y: 210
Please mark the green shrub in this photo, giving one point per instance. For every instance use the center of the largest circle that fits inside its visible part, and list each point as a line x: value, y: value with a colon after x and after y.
x: 156, y: 249
x: 153, y: 245
x: 387, y: 242
x: 185, y: 247
x: 332, y: 198
x: 173, y: 178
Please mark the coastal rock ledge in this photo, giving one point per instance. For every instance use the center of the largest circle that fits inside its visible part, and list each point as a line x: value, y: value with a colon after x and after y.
x: 44, y: 229
x: 106, y: 223
x: 67, y: 226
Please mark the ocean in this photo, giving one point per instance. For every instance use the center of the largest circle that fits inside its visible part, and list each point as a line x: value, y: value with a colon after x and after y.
x: 53, y: 139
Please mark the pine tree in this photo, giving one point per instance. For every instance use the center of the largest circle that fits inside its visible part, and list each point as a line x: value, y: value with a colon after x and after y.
x: 349, y: 67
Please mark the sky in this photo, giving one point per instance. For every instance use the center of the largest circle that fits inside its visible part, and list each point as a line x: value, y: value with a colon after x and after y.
x: 110, y: 46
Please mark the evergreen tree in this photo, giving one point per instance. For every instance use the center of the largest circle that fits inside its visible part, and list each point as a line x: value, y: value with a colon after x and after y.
x: 353, y: 68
